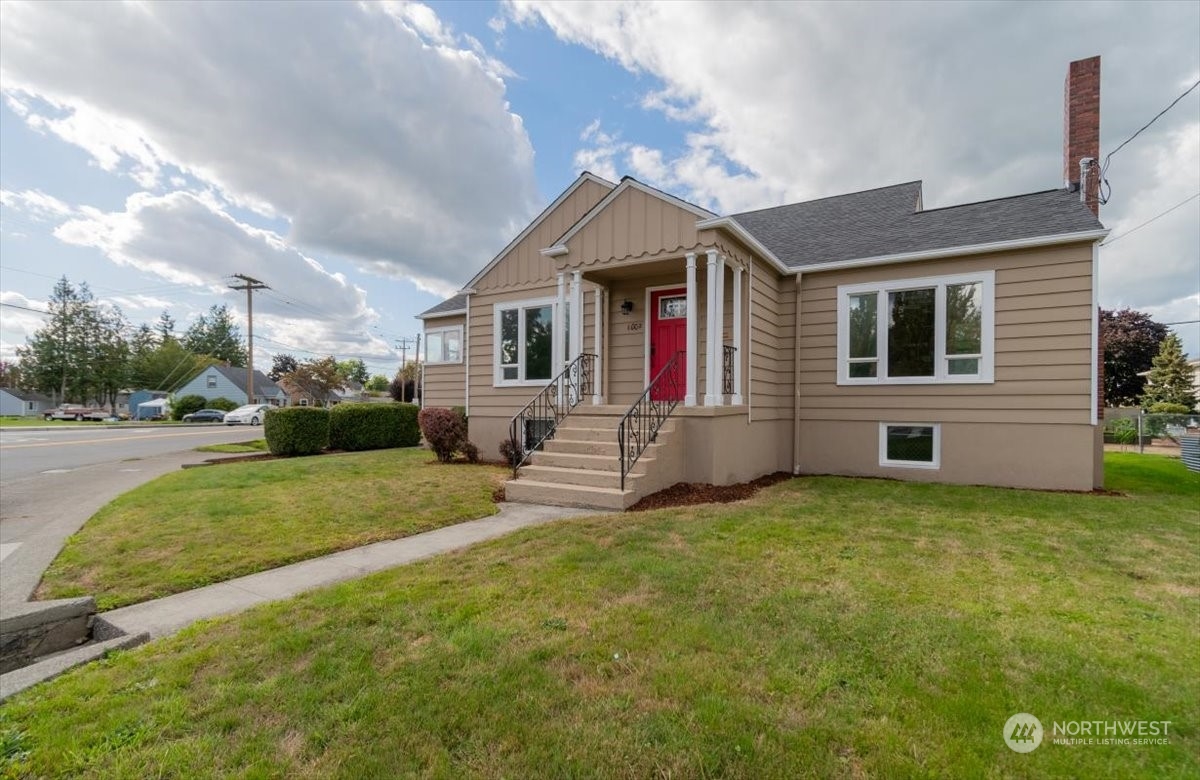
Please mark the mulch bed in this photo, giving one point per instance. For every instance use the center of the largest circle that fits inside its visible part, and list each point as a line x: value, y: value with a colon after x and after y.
x: 690, y: 493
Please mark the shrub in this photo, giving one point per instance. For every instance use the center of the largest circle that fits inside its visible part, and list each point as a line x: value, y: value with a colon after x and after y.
x: 224, y: 404
x: 186, y: 405
x: 373, y: 426
x: 470, y: 452
x: 510, y: 452
x: 296, y: 430
x: 1166, y: 407
x: 445, y: 432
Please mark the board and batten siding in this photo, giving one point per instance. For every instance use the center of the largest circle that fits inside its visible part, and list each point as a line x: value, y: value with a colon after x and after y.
x: 634, y: 227
x: 1031, y: 427
x: 445, y: 383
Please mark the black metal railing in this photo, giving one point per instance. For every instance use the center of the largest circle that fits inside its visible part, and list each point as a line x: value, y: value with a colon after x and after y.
x: 728, y: 356
x: 537, y: 422
x: 639, y: 427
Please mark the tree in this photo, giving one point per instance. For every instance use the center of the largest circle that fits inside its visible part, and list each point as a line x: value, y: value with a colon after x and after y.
x: 377, y: 384
x: 54, y: 358
x: 1171, y: 380
x: 282, y: 365
x: 216, y: 334
x: 318, y: 378
x: 10, y: 375
x: 165, y: 325
x: 404, y: 387
x: 353, y: 371
x: 1130, y: 341
x: 164, y: 367
x: 108, y: 354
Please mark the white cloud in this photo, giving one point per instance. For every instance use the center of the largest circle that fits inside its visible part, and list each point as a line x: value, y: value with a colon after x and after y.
x: 789, y: 101
x: 17, y: 324
x: 374, y: 130
x: 36, y: 204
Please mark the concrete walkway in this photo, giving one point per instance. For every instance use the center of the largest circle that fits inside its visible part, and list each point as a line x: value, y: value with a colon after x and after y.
x: 165, y: 616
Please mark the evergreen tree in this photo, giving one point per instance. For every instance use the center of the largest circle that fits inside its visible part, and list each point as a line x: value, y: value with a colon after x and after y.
x: 353, y: 371
x: 165, y: 325
x: 1130, y: 340
x: 216, y: 335
x: 1171, y: 378
x: 55, y: 357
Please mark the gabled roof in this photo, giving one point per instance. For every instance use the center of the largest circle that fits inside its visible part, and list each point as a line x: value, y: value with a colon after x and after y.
x: 262, y: 383
x: 448, y: 307
x: 586, y: 176
x: 26, y: 395
x: 887, y: 222
x: 559, y: 246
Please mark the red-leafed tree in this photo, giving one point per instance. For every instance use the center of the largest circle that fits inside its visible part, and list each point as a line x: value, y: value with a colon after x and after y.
x: 1131, y: 340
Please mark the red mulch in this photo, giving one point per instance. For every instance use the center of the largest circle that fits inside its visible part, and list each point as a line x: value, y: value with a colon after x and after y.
x: 689, y: 493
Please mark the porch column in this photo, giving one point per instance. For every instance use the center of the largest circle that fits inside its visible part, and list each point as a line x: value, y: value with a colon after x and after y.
x: 737, y: 336
x: 597, y: 372
x: 712, y: 358
x: 558, y: 359
x: 719, y: 331
x: 576, y: 314
x: 689, y: 398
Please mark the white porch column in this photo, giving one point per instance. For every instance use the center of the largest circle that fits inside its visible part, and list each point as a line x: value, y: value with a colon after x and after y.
x: 576, y: 314
x: 597, y: 372
x: 693, y: 359
x: 712, y: 358
x: 557, y: 358
x: 719, y: 332
x: 737, y: 336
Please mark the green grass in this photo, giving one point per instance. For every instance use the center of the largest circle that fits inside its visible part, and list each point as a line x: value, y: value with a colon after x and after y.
x: 827, y: 628
x: 255, y: 445
x: 38, y: 422
x: 205, y: 525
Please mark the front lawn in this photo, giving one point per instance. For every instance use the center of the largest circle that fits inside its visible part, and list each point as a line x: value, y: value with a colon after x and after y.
x: 826, y: 628
x: 205, y: 525
x: 252, y: 446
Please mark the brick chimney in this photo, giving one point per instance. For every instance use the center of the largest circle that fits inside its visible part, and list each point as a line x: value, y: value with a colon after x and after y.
x: 1081, y: 127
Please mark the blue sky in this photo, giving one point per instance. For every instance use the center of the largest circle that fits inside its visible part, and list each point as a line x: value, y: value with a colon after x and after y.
x: 364, y: 161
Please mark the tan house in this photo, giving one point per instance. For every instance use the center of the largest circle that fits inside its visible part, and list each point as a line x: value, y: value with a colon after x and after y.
x: 627, y: 339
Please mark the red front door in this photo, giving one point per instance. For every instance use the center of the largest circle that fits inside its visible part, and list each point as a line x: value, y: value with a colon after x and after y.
x: 668, y: 335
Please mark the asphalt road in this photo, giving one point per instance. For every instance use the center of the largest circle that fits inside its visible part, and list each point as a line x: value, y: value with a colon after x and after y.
x: 52, y: 481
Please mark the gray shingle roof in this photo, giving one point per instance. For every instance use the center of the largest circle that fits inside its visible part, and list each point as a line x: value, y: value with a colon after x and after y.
x: 262, y: 383
x: 26, y: 395
x: 449, y: 306
x: 885, y: 221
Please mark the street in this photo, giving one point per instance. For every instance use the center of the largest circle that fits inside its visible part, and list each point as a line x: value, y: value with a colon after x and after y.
x: 52, y: 481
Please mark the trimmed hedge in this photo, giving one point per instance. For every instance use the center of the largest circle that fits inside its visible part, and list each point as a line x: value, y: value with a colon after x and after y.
x: 296, y: 430
x: 222, y: 403
x: 186, y: 405
x: 373, y: 426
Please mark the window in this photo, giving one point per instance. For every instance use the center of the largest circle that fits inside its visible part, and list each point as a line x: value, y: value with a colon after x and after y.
x: 910, y: 445
x: 524, y: 340
x: 210, y: 381
x: 672, y: 307
x: 936, y: 329
x: 444, y: 345
x: 304, y: 402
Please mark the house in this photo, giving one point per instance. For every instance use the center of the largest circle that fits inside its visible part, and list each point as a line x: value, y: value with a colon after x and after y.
x: 299, y: 393
x: 222, y: 381
x: 23, y: 403
x: 627, y: 339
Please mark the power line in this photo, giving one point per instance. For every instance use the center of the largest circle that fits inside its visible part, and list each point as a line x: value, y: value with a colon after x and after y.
x: 23, y: 308
x: 1147, y: 222
x: 1105, y: 196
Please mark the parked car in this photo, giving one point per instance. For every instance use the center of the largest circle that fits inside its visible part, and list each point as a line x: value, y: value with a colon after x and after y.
x: 79, y: 413
x: 251, y: 414
x: 205, y: 415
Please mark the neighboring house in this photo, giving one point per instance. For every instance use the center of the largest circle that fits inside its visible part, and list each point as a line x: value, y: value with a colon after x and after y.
x: 859, y: 334
x: 23, y: 403
x: 351, y: 391
x: 139, y: 397
x: 221, y: 381
x: 299, y: 393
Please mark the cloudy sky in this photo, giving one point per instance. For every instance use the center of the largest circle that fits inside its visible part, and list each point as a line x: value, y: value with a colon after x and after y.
x: 364, y: 160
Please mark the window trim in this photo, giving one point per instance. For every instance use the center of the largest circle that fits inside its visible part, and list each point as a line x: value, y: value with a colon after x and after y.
x: 210, y: 382
x: 498, y: 379
x: 443, y: 330
x: 935, y: 464
x: 941, y: 376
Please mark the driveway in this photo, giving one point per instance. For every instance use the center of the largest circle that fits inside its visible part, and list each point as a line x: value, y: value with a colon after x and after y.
x: 52, y: 481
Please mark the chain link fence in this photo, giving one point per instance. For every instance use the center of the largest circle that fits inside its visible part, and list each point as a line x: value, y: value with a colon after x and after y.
x: 1133, y: 430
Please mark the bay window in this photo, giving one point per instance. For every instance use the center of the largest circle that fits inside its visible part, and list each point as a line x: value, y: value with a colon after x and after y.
x: 444, y: 345
x: 917, y: 331
x: 524, y: 342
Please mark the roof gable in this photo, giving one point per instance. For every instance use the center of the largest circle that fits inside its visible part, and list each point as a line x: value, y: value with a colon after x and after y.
x: 448, y: 307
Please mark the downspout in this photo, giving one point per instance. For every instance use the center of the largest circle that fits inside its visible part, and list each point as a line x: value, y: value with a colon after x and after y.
x: 749, y: 345
x: 466, y: 349
x: 796, y: 382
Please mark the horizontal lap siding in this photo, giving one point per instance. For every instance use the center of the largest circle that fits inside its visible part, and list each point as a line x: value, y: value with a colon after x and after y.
x: 445, y: 384
x: 772, y: 344
x: 1043, y: 338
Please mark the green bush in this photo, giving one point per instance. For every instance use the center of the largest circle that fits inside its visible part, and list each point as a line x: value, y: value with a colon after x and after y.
x: 224, y: 404
x: 186, y: 405
x: 373, y: 426
x: 296, y: 430
x: 1166, y: 407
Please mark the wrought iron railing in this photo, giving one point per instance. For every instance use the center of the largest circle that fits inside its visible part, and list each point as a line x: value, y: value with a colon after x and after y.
x: 639, y: 427
x: 728, y: 356
x: 537, y: 422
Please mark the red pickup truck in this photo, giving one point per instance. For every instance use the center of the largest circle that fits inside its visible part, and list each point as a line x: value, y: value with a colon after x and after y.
x: 77, y: 413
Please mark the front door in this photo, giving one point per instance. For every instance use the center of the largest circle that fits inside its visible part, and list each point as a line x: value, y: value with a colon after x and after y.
x: 668, y: 335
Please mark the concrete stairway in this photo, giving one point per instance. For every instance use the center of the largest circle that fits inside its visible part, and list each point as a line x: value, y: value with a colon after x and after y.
x: 579, y: 467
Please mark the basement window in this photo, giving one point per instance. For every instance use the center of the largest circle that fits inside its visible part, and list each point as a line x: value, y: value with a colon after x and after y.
x: 910, y: 445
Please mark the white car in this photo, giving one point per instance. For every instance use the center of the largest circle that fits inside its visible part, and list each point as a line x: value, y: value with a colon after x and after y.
x: 253, y: 414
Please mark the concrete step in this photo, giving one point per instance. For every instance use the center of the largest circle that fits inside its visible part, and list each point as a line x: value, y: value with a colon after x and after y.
x: 577, y: 420
x: 608, y: 449
x: 532, y: 491
x: 571, y: 460
x: 582, y: 433
x: 581, y: 477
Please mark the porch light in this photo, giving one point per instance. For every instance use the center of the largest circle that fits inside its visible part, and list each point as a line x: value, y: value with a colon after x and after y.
x: 627, y: 306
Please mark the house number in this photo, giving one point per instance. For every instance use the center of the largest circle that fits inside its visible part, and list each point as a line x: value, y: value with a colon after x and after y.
x: 633, y: 326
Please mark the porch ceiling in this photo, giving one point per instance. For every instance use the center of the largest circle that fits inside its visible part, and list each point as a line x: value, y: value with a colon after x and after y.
x: 636, y: 270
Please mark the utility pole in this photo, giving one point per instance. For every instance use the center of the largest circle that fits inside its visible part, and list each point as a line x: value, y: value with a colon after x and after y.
x: 419, y: 383
x: 249, y: 284
x: 402, y: 345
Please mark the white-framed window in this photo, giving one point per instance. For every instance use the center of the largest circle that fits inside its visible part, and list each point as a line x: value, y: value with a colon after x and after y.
x: 304, y: 402
x: 937, y: 329
x: 523, y: 335
x: 210, y: 381
x: 910, y: 445
x: 444, y: 345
